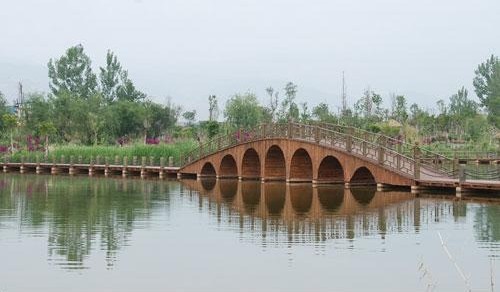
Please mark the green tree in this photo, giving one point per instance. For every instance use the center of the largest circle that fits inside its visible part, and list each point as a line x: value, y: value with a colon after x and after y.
x: 10, y: 124
x: 487, y: 87
x: 72, y: 73
x: 47, y: 129
x: 400, y: 113
x: 322, y: 113
x: 273, y: 103
x: 213, y: 108
x: 243, y: 111
x: 115, y: 83
x: 109, y: 76
x: 190, y: 117
x: 305, y: 115
x: 36, y: 111
x: 289, y: 109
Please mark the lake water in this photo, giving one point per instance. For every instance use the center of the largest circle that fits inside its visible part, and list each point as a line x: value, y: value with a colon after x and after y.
x: 111, y: 234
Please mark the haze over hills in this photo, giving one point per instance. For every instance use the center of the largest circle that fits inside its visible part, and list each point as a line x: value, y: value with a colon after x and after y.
x: 187, y: 50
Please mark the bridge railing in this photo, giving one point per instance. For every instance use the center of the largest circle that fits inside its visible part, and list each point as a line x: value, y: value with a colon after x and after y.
x: 443, y: 164
x: 392, y: 153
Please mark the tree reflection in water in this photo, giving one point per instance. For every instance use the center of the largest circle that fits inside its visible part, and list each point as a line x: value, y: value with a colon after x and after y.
x: 81, y: 215
x: 79, y: 212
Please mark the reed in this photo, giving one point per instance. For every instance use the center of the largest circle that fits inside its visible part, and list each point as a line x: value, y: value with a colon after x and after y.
x: 85, y: 153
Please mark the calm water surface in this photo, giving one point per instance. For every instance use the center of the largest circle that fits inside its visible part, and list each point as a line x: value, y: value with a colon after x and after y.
x: 111, y: 234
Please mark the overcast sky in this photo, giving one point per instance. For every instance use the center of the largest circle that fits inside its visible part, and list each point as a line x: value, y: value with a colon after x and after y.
x: 189, y: 49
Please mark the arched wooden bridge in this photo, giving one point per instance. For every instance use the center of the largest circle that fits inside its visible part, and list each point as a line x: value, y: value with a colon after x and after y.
x: 322, y: 153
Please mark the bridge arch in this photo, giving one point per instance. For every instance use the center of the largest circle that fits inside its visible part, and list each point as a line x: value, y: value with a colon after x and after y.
x: 228, y: 190
x: 228, y: 167
x: 274, y: 164
x: 250, y: 195
x: 301, y: 197
x: 363, y: 176
x: 330, y: 170
x: 274, y: 197
x: 330, y: 199
x: 250, y: 164
x: 208, y: 170
x: 301, y: 168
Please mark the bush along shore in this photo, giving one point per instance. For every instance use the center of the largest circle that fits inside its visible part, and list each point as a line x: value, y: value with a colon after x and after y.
x: 132, y: 154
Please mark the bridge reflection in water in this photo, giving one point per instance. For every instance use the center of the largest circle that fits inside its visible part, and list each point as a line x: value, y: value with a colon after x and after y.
x: 84, y: 216
x: 306, y: 213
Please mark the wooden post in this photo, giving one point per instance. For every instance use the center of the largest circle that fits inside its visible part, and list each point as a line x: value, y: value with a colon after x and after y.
x: 62, y: 159
x: 98, y: 160
x: 381, y: 154
x: 143, y: 161
x: 348, y: 143
x: 455, y: 161
x: 80, y: 159
x: 170, y: 161
x: 416, y: 158
x: 117, y: 160
x: 461, y: 173
x: 134, y: 160
x: 317, y: 134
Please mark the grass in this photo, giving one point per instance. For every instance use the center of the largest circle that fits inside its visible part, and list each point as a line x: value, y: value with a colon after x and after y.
x: 175, y: 150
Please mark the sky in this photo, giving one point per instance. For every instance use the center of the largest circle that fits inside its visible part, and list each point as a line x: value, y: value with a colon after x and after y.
x: 186, y: 50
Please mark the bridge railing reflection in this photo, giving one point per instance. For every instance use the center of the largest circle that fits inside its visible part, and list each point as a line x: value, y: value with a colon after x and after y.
x: 302, y: 213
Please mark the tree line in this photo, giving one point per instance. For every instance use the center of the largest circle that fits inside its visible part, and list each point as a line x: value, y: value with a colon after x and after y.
x: 105, y: 108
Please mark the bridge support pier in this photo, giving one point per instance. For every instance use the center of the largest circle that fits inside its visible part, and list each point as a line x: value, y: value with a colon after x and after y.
x: 415, y: 189
x: 5, y: 168
x: 72, y: 171
x: 22, y: 169
x: 38, y: 169
x: 91, y: 171
x: 161, y: 174
x: 106, y: 171
x: 124, y: 172
x: 347, y: 185
x: 54, y: 170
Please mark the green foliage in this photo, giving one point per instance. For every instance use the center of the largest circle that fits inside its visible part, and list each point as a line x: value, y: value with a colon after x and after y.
x: 289, y: 109
x: 212, y: 128
x: 487, y: 86
x: 175, y: 150
x: 213, y: 108
x: 190, y: 117
x: 72, y: 73
x: 243, y: 111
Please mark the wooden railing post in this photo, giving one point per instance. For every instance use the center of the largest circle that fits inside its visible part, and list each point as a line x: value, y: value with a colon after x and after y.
x: 317, y: 134
x: 290, y: 129
x: 461, y: 173
x: 398, y: 156
x: 381, y: 153
x: 364, y: 143
x: 416, y: 158
x: 348, y: 142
